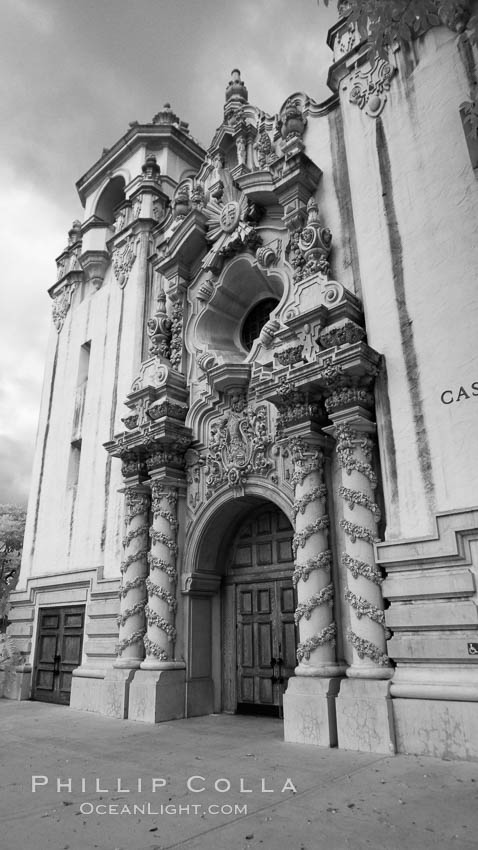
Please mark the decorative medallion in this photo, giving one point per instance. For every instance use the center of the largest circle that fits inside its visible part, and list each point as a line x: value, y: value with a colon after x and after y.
x: 238, y: 445
x: 231, y: 225
x: 230, y: 215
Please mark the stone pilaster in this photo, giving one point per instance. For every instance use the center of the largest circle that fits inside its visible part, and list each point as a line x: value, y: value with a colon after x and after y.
x: 161, y: 583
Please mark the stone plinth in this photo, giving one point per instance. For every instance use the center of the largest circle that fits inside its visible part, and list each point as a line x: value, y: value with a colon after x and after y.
x: 365, y: 717
x: 157, y: 695
x: 115, y: 697
x: 16, y: 682
x: 87, y: 690
x: 309, y: 711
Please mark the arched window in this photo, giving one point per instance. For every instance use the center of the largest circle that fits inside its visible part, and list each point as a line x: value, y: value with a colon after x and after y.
x: 255, y: 321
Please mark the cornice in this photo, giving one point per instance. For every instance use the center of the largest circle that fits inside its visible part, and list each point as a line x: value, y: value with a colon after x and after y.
x: 170, y: 137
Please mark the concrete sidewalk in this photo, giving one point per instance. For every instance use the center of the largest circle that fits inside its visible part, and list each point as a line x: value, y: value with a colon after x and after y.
x: 125, y: 787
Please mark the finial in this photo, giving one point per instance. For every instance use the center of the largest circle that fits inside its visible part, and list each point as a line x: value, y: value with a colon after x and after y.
x: 74, y: 233
x: 236, y: 88
x: 150, y: 168
x: 165, y: 116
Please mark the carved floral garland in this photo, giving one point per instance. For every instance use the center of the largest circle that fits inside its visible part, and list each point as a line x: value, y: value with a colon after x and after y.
x: 305, y: 608
x: 366, y: 648
x: 311, y: 496
x: 327, y: 635
x: 322, y: 561
x: 360, y: 568
x: 300, y: 537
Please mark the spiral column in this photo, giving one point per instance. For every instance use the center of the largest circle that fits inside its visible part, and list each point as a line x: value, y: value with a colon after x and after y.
x: 360, y: 517
x: 313, y: 560
x: 309, y: 702
x: 364, y: 707
x: 158, y: 691
x: 161, y: 584
x: 134, y: 568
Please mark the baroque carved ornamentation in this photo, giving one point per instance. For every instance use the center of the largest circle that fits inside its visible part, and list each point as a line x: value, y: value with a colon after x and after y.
x: 238, y: 445
x: 231, y: 225
x: 348, y: 333
x: 123, y: 258
x: 293, y: 407
x: 61, y: 305
x: 159, y: 328
x: 310, y: 246
x: 194, y: 465
x: 289, y: 356
x: 368, y: 89
x: 176, y: 344
x: 291, y: 122
x: 269, y: 254
x: 346, y: 396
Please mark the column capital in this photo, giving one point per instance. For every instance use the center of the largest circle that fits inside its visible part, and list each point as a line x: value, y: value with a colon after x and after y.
x: 137, y: 499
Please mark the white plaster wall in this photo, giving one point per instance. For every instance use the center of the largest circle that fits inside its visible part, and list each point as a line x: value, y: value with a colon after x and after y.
x: 435, y: 199
x: 73, y: 531
x: 321, y: 140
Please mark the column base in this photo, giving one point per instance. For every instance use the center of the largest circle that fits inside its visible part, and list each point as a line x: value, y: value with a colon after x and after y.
x: 309, y: 711
x: 157, y: 695
x: 324, y: 671
x: 372, y: 671
x: 365, y: 716
x: 116, y: 690
x: 127, y: 663
x: 154, y: 664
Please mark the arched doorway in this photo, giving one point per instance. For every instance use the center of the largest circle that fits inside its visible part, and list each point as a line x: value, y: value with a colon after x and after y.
x: 259, y: 632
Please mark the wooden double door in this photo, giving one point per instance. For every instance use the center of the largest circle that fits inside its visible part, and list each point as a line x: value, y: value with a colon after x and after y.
x: 263, y: 610
x: 58, y: 652
x: 265, y: 644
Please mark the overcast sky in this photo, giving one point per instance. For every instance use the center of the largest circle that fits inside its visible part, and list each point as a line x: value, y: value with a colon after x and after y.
x: 75, y: 73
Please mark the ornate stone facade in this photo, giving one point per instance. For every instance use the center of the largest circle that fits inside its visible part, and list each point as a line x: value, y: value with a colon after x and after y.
x: 227, y: 377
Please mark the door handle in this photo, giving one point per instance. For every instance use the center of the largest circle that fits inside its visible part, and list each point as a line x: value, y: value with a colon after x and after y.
x: 280, y: 662
x: 56, y: 665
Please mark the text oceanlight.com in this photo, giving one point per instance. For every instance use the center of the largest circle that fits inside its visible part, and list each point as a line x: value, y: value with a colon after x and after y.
x: 168, y: 809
